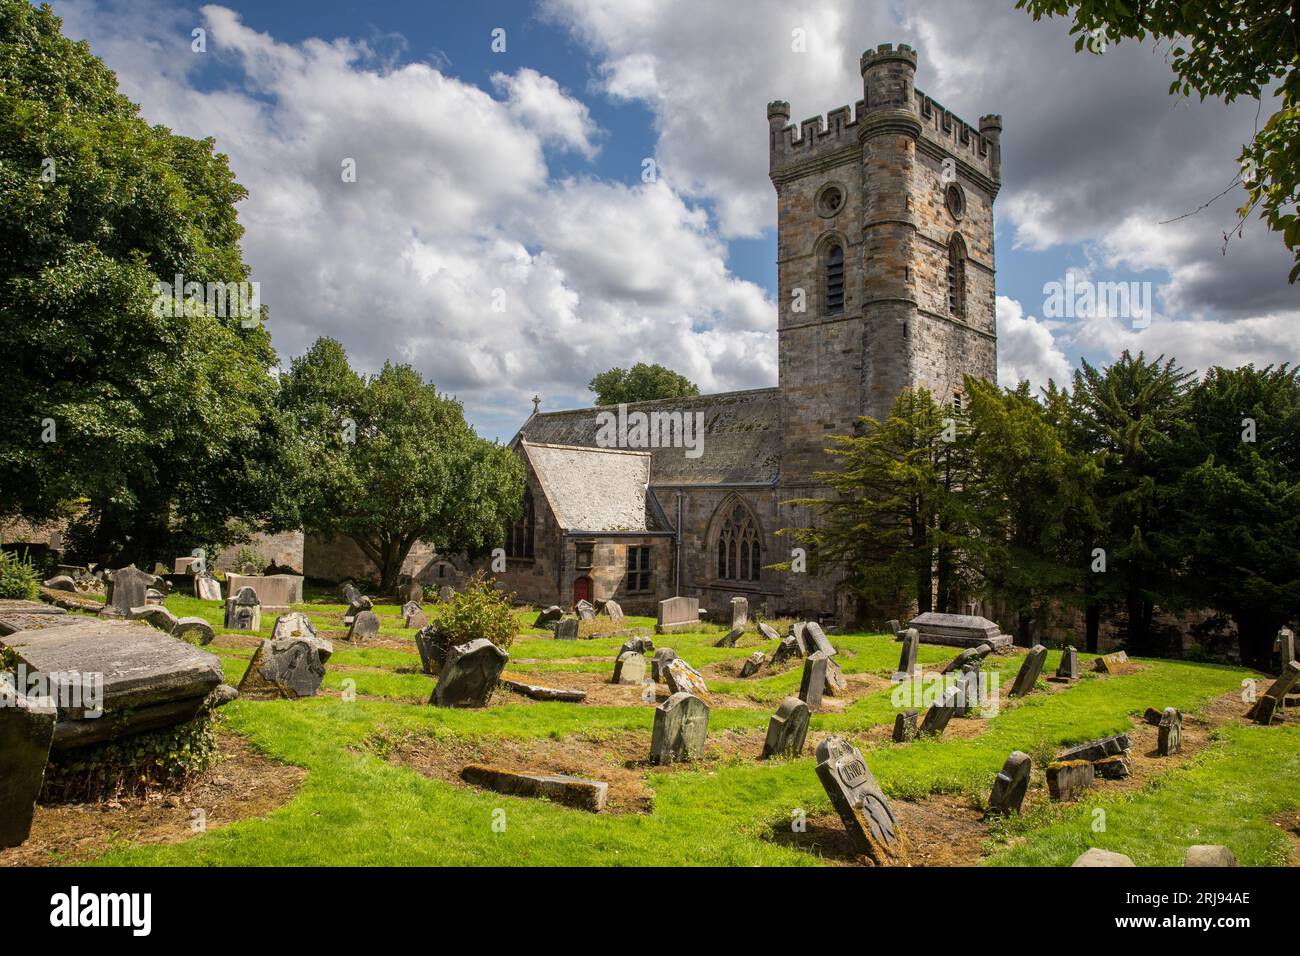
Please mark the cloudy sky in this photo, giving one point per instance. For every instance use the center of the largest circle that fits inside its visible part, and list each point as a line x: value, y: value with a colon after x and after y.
x: 500, y: 234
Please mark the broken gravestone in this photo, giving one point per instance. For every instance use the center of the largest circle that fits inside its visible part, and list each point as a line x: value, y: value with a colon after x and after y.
x: 469, y: 674
x: 905, y: 727
x: 659, y: 663
x: 642, y: 645
x: 681, y: 728
x: 550, y: 614
x: 813, y: 683
x: 244, y: 611
x: 26, y: 732
x: 1068, y: 779
x: 1170, y: 735
x: 570, y: 791
x: 1117, y: 663
x: 1011, y: 784
x: 154, y: 615
x: 969, y: 656
x: 1098, y: 749
x: 586, y: 611
x: 787, y: 650
x: 1267, y: 706
x: 787, y: 729
x: 194, y: 630
x: 768, y: 631
x: 128, y: 587
x: 682, y: 678
x: 752, y: 664
x: 859, y: 801
x: 629, y: 668
x: 566, y: 629
x: 1029, y: 671
x: 729, y: 639
x: 287, y: 668
x: 907, y: 667
x: 1069, y: 667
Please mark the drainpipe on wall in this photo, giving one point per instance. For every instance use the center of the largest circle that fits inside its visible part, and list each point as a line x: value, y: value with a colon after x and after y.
x: 677, y: 565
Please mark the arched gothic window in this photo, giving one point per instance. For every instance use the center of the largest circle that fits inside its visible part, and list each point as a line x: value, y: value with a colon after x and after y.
x: 956, y: 276
x: 835, y: 279
x: 519, y: 534
x: 739, y: 552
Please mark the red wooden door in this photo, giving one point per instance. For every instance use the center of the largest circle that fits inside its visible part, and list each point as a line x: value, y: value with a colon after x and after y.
x: 581, y: 589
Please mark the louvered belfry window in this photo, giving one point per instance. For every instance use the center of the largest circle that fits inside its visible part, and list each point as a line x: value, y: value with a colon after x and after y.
x: 835, y: 280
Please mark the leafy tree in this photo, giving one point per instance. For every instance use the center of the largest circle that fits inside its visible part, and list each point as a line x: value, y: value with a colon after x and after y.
x: 1227, y: 49
x: 1131, y: 417
x: 388, y: 461
x: 151, y: 425
x: 1240, y: 501
x: 640, y: 383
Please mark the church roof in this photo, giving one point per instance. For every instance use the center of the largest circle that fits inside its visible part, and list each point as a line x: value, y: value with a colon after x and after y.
x: 741, y: 437
x: 592, y: 489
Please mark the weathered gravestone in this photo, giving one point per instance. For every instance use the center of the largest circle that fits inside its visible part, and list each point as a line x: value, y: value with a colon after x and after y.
x: 155, y: 596
x: 682, y: 678
x: 678, y: 614
x: 275, y: 592
x: 1029, y: 671
x: 969, y: 656
x: 836, y: 685
x: 813, y: 683
x: 798, y: 632
x: 752, y: 664
x: 629, y: 668
x: 244, y: 611
x: 1203, y: 854
x: 739, y: 613
x: 61, y: 582
x: 893, y: 627
x: 128, y: 587
x: 586, y: 611
x: 297, y: 624
x: 413, y: 616
x: 907, y: 668
x: 26, y: 732
x: 570, y: 791
x: 787, y: 650
x: 446, y: 593
x: 1011, y: 784
x: 958, y: 630
x: 1117, y: 767
x: 364, y: 626
x: 1286, y: 646
x: 154, y: 615
x: 815, y: 639
x: 1116, y: 663
x: 659, y: 663
x: 787, y: 729
x: 566, y: 629
x: 358, y: 604
x: 942, y: 711
x: 1098, y: 749
x: 968, y: 701
x: 681, y: 728
x: 1267, y: 706
x: 411, y: 593
x: 350, y: 593
x: 1169, y: 738
x: 1069, y: 667
x: 859, y: 801
x: 287, y: 668
x: 432, y: 650
x: 614, y: 610
x: 207, y: 587
x: 729, y: 639
x: 1068, y: 779
x: 642, y: 645
x: 194, y: 630
x: 562, y: 695
x: 905, y: 727
x: 768, y: 631
x: 552, y: 613
x: 469, y: 674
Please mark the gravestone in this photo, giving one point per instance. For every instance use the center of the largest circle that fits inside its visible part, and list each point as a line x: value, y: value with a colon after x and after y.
x: 907, y: 667
x: 411, y: 593
x: 958, y: 630
x: 469, y: 674
x: 798, y: 632
x: 1097, y: 749
x: 681, y: 729
x: 275, y: 592
x: 287, y: 668
x: 1011, y: 784
x: 564, y: 695
x: 968, y: 656
x: 894, y: 627
x: 629, y: 668
x: 682, y: 678
x: 431, y: 648
x: 1117, y: 767
x: 729, y: 639
x: 739, y: 613
x: 813, y: 683
x: 1117, y: 663
x: 788, y: 649
x: 1068, y: 779
x: 1069, y: 668
x: 815, y: 639
x: 296, y: 624
x: 350, y: 593
x: 243, y: 611
x: 155, y: 596
x: 207, y: 587
x: 642, y: 645
x: 968, y: 701
x: 614, y: 610
x: 905, y: 727
x: 859, y: 801
x: 678, y: 614
x: 836, y: 685
x: 193, y: 630
x: 787, y: 729
x: 1267, y: 706
x: 364, y: 626
x: 26, y: 732
x: 1095, y: 857
x: 552, y: 613
x: 753, y: 664
x: 1029, y: 671
x: 1286, y: 646
x: 446, y: 593
x: 942, y: 711
x: 155, y: 615
x: 566, y: 629
x: 768, y: 631
x: 659, y: 663
x: 61, y: 582
x: 1169, y: 738
x: 1152, y: 716
x: 185, y: 565
x: 574, y: 792
x: 413, y: 616
x: 585, y: 610
x: 128, y: 587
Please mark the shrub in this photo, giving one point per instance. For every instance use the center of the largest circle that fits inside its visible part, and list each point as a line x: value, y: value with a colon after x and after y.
x: 19, y: 579
x: 478, y: 610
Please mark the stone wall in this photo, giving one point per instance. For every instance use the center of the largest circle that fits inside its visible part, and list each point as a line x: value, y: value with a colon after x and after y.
x: 285, y: 549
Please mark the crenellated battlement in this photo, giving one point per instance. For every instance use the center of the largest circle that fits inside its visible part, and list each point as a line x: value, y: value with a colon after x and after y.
x: 977, y: 145
x: 813, y: 137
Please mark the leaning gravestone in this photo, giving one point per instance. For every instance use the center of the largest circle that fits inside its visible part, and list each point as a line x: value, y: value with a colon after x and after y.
x: 552, y: 613
x: 1267, y: 706
x: 431, y: 649
x: 787, y: 729
x: 1029, y: 671
x: 893, y: 627
x: 469, y: 674
x: 813, y: 684
x: 836, y: 685
x: 969, y: 684
x: 413, y: 616
x: 566, y: 629
x: 1069, y: 668
x: 1117, y: 663
x: 1011, y: 784
x: 585, y: 611
x: 681, y: 728
x: 614, y: 610
x: 768, y: 631
x: 659, y: 663
x: 364, y: 626
x: 788, y: 649
x: 969, y: 656
x: 859, y: 801
x: 642, y: 645
x: 154, y: 615
x: 678, y: 614
x: 942, y: 711
x: 287, y: 668
x: 629, y: 668
x: 739, y: 613
x: 729, y: 639
x: 907, y: 668
x: 1286, y: 646
x: 244, y: 611
x: 905, y: 728
x: 128, y: 587
x: 1170, y: 735
x: 816, y: 640
x: 682, y: 678
x: 752, y: 664
x: 26, y: 732
x: 797, y: 631
x: 207, y: 587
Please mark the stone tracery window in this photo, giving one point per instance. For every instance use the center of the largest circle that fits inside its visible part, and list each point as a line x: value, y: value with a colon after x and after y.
x: 739, y: 551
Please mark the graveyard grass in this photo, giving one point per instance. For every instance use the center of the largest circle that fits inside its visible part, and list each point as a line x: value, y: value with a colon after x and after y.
x: 356, y: 807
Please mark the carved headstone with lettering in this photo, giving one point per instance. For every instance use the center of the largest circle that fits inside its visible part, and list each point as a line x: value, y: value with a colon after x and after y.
x: 244, y: 611
x: 859, y: 801
x: 586, y: 611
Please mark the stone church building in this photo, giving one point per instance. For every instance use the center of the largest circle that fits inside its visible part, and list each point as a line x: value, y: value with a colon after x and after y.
x: 885, y: 277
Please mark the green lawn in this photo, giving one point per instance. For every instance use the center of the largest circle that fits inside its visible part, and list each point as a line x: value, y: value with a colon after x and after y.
x: 357, y: 808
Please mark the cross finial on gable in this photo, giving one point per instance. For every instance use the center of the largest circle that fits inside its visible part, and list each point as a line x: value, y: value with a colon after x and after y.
x: 537, y: 403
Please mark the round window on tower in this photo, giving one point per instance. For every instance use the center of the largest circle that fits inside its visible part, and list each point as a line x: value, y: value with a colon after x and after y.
x: 830, y: 200
x: 955, y: 200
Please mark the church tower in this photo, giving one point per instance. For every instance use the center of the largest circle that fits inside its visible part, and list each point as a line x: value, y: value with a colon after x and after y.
x: 885, y: 270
